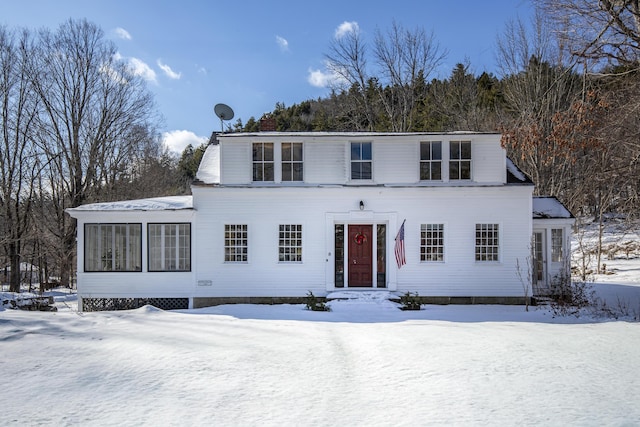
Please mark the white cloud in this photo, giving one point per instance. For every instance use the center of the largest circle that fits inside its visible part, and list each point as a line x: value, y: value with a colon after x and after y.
x: 346, y: 28
x: 140, y: 68
x: 177, y: 140
x: 283, y: 43
x: 325, y: 78
x: 168, y: 71
x: 122, y: 33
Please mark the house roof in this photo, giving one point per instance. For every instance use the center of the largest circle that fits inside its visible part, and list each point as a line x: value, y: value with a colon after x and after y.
x: 515, y: 175
x: 546, y: 207
x: 169, y: 203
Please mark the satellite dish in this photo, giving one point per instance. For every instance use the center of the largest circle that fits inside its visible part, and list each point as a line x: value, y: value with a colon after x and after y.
x: 224, y: 112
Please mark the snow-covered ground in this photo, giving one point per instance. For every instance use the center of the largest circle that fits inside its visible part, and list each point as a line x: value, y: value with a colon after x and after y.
x: 365, y: 363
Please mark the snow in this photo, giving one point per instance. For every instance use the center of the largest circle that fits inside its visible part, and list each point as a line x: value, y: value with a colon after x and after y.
x: 151, y: 204
x: 364, y: 363
x: 549, y: 207
x: 209, y: 169
x: 517, y: 173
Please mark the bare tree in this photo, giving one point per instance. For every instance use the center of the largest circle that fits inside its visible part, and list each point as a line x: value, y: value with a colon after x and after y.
x: 91, y: 101
x: 17, y: 156
x: 403, y: 60
x: 598, y: 30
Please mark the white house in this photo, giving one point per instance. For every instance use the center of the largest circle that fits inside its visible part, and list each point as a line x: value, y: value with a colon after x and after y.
x: 275, y: 215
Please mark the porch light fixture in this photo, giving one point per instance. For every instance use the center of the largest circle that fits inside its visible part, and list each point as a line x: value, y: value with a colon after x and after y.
x: 361, y: 205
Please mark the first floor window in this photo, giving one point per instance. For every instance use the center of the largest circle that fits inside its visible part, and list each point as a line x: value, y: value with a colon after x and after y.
x: 556, y: 245
x: 112, y: 247
x: 290, y: 243
x: 432, y: 242
x: 169, y: 247
x: 235, y: 243
x: 487, y: 242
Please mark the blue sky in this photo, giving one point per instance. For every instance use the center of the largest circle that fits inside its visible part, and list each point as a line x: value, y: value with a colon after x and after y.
x: 252, y: 54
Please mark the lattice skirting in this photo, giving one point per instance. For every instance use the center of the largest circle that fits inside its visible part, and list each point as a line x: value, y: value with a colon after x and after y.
x: 109, y: 304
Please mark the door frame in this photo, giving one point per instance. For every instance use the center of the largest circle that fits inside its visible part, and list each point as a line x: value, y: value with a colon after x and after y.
x: 390, y: 219
x: 540, y: 286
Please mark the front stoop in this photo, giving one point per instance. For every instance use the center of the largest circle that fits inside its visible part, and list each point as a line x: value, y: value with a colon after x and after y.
x: 362, y: 296
x: 376, y: 296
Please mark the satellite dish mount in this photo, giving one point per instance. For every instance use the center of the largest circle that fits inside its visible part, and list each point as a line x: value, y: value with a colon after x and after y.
x: 224, y: 112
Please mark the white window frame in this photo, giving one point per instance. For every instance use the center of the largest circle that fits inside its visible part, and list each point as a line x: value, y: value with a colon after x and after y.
x: 460, y: 160
x: 430, y: 161
x: 291, y: 162
x: 487, y: 247
x: 169, y: 246
x: 290, y: 243
x: 236, y: 243
x: 432, y: 247
x: 261, y: 163
x: 557, y: 245
x: 360, y: 161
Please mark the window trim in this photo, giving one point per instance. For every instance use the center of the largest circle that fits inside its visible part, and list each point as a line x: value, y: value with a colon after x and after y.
x: 557, y: 250
x: 262, y: 162
x: 177, y: 248
x: 360, y: 161
x: 460, y: 160
x: 291, y: 162
x: 495, y: 228
x: 243, y: 239
x: 285, y: 242
x: 429, y: 161
x: 440, y: 231
x: 99, y: 237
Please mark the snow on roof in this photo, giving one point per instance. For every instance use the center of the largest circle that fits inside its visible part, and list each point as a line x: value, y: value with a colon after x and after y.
x: 513, y: 169
x: 209, y: 169
x: 549, y: 207
x: 152, y: 204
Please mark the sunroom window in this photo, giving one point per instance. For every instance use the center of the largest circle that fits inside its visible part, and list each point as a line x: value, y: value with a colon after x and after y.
x: 112, y: 247
x: 169, y: 247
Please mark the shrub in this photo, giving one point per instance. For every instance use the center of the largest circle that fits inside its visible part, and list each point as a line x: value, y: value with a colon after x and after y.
x: 315, y: 304
x: 410, y: 301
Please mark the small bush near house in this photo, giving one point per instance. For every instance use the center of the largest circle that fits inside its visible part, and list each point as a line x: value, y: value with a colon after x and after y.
x: 410, y: 301
x: 570, y: 297
x: 313, y: 303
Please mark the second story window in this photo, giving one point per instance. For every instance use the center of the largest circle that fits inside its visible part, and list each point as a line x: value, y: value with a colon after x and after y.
x: 430, y: 161
x: 263, y: 161
x: 361, y: 160
x: 459, y: 160
x: 292, y: 165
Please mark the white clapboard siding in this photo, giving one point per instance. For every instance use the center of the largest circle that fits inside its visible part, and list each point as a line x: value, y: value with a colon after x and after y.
x: 396, y: 162
x: 489, y: 160
x: 263, y: 209
x: 235, y: 162
x: 325, y: 162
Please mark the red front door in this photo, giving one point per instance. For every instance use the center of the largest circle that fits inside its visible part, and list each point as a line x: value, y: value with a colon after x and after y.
x: 360, y: 256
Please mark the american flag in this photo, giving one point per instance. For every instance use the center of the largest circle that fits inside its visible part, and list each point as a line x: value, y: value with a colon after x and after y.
x: 399, y: 249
